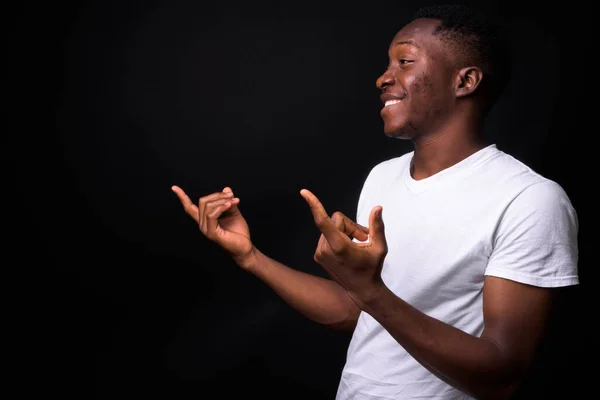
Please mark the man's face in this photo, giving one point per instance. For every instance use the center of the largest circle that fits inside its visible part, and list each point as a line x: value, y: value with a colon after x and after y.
x: 417, y: 87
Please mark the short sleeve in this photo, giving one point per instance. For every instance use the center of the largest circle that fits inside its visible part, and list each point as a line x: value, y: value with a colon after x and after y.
x: 536, y: 239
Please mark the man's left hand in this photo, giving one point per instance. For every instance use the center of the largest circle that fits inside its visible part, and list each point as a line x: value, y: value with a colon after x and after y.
x: 354, y: 265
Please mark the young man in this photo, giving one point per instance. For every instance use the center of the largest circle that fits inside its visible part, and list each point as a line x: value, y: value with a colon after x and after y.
x: 446, y: 278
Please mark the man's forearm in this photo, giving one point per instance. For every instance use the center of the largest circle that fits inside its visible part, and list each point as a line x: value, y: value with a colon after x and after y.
x: 319, y: 299
x: 474, y: 365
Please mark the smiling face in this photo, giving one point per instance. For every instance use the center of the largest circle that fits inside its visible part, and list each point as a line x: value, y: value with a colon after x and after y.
x: 417, y: 88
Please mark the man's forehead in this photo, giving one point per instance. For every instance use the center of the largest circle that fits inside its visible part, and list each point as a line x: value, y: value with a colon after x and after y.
x: 416, y: 32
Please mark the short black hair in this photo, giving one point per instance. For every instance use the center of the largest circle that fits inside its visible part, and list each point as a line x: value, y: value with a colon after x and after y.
x: 482, y: 40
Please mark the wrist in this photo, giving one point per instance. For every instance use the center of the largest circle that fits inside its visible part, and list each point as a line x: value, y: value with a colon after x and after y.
x: 248, y: 261
x: 371, y: 298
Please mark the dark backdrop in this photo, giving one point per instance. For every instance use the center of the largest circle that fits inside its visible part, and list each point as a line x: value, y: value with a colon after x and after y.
x: 115, y: 101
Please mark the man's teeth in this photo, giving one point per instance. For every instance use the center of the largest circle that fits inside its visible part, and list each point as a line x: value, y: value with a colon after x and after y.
x: 391, y: 102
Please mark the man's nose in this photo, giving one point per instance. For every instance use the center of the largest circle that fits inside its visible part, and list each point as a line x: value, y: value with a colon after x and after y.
x: 385, y: 80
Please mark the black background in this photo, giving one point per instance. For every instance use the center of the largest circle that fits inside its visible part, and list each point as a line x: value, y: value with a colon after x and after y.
x: 115, y: 101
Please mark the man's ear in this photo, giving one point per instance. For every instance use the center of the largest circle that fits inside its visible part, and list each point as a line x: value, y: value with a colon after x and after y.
x: 467, y: 81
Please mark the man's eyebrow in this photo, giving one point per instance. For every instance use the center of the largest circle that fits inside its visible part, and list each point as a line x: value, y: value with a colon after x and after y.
x: 409, y: 41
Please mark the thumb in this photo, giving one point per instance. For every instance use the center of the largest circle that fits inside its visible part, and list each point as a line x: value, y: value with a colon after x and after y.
x: 377, y: 228
x: 234, y: 207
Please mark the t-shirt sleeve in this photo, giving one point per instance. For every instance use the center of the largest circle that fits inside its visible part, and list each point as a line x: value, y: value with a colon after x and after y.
x: 536, y: 239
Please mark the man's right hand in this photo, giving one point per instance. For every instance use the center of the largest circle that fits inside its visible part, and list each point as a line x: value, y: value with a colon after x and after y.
x: 220, y: 220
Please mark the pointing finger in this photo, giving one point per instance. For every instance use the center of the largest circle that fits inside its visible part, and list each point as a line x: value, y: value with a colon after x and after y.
x: 188, y: 206
x: 334, y: 237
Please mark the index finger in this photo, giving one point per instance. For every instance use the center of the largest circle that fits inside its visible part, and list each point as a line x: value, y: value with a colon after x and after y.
x: 189, y: 207
x: 333, y: 235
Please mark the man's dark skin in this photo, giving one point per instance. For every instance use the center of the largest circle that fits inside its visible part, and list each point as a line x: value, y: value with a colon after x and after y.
x: 442, y: 112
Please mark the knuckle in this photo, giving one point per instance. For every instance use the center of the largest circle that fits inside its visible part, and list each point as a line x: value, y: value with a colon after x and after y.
x: 338, y: 249
x: 214, y: 205
x: 383, y: 251
x: 318, y: 256
x: 210, y: 235
x: 320, y: 221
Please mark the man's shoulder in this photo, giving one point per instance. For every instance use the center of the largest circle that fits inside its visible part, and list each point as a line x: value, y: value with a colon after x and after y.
x: 507, y: 177
x: 505, y: 170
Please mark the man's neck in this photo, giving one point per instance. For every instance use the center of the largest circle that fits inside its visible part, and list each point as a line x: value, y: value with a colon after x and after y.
x: 442, y: 150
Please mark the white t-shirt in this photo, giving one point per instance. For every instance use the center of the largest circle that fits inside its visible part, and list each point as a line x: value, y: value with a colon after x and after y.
x: 489, y: 214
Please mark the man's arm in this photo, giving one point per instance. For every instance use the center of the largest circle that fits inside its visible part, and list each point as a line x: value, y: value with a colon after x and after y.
x: 324, y: 301
x: 319, y: 299
x: 535, y: 243
x: 486, y: 367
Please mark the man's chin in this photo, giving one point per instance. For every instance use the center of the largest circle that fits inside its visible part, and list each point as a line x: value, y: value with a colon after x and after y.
x: 397, y: 132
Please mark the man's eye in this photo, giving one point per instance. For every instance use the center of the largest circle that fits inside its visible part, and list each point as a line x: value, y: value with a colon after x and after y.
x: 403, y: 61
